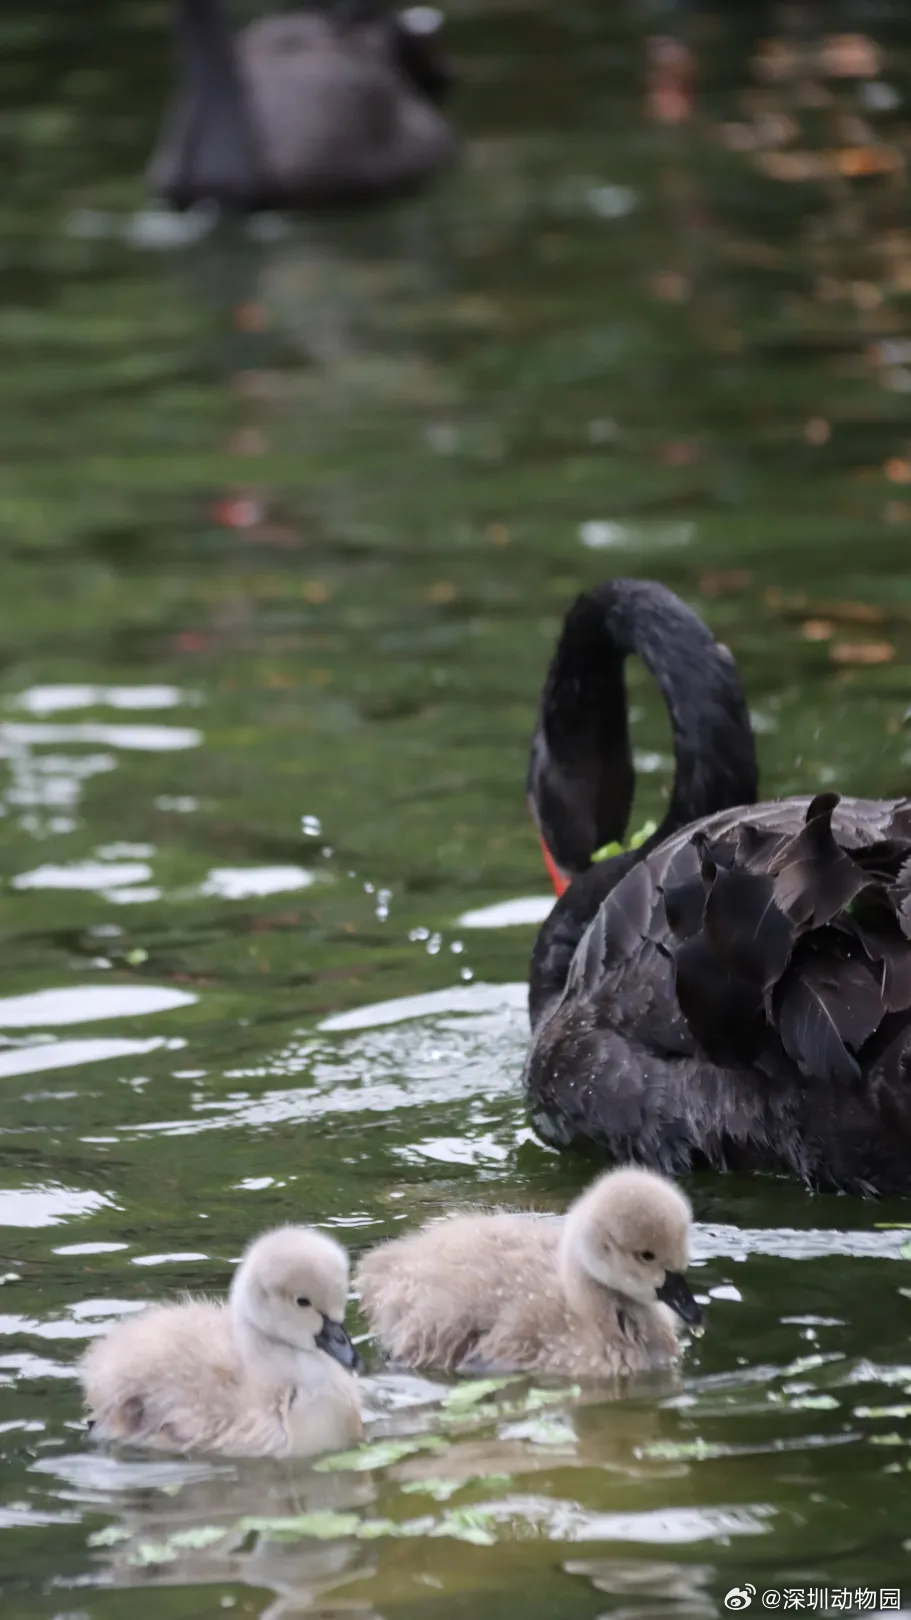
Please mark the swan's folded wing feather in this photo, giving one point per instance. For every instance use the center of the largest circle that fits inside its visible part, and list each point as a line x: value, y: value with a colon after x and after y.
x: 684, y: 907
x: 722, y: 1011
x: 874, y: 924
x: 814, y: 877
x: 622, y: 968
x: 772, y: 931
x: 618, y: 931
x: 745, y: 925
x: 758, y: 847
x: 736, y: 972
x: 901, y: 896
x: 827, y: 1007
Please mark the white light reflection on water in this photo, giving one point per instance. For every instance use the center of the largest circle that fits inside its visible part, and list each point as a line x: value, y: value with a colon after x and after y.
x: 524, y: 912
x: 142, y: 739
x: 447, y: 1046
x: 42, y: 700
x: 474, y: 998
x: 54, y: 1055
x: 48, y: 1206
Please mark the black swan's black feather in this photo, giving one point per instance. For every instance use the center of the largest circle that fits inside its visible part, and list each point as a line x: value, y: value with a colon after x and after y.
x: 814, y: 878
x: 746, y: 928
x: 736, y: 993
x: 827, y: 1010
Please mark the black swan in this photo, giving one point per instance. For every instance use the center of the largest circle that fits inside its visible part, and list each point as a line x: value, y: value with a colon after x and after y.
x: 736, y: 993
x: 303, y: 109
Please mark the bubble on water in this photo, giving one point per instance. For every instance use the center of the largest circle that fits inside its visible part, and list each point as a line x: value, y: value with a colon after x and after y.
x: 466, y: 974
x: 433, y: 944
x: 418, y: 934
x: 311, y: 827
x: 457, y: 947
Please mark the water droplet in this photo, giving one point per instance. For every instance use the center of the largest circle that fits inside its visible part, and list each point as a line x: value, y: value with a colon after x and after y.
x: 311, y: 827
x: 416, y: 934
x: 466, y: 974
x: 457, y: 947
x: 433, y: 944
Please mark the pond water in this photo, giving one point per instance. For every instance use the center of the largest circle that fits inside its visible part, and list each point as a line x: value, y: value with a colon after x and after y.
x: 289, y: 521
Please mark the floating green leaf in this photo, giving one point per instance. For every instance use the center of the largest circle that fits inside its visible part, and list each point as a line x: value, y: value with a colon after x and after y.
x: 537, y: 1398
x: 442, y: 1489
x: 151, y: 1552
x: 380, y: 1454
x: 607, y: 850
x: 109, y: 1536
x: 544, y: 1431
x: 324, y: 1526
x: 470, y: 1393
x: 468, y: 1524
x: 635, y: 842
x: 802, y: 1364
x: 372, y: 1530
x: 678, y: 1450
x: 882, y: 1411
x: 198, y: 1535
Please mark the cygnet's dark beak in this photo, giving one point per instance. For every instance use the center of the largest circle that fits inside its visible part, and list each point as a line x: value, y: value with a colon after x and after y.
x: 333, y: 1338
x: 675, y: 1291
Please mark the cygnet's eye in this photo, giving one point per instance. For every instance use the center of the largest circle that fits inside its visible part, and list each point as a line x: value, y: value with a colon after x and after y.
x: 302, y: 1301
x: 645, y: 1254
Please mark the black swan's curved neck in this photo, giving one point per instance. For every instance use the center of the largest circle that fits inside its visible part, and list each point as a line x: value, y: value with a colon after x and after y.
x: 581, y: 778
x: 217, y: 152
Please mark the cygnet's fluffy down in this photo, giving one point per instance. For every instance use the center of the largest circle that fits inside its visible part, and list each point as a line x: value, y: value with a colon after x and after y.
x: 587, y: 1296
x: 269, y: 1373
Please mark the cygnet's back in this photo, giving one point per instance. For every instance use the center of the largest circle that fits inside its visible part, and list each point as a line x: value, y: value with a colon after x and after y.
x: 267, y: 1374
x: 584, y: 1297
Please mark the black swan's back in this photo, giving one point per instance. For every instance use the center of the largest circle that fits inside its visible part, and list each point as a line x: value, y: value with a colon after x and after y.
x: 303, y: 109
x: 742, y: 999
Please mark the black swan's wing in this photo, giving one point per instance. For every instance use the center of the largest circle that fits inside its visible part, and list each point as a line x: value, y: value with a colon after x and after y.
x: 742, y: 999
x: 804, y: 932
x: 787, y: 922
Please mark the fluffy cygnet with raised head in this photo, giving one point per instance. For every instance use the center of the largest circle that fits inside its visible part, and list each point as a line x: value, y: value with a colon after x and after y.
x: 269, y: 1373
x: 587, y: 1296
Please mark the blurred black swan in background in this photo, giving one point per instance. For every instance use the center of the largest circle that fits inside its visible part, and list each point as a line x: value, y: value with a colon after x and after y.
x: 304, y: 109
x: 736, y: 993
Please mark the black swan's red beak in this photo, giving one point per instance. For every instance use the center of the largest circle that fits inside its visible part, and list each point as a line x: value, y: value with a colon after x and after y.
x: 558, y: 879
